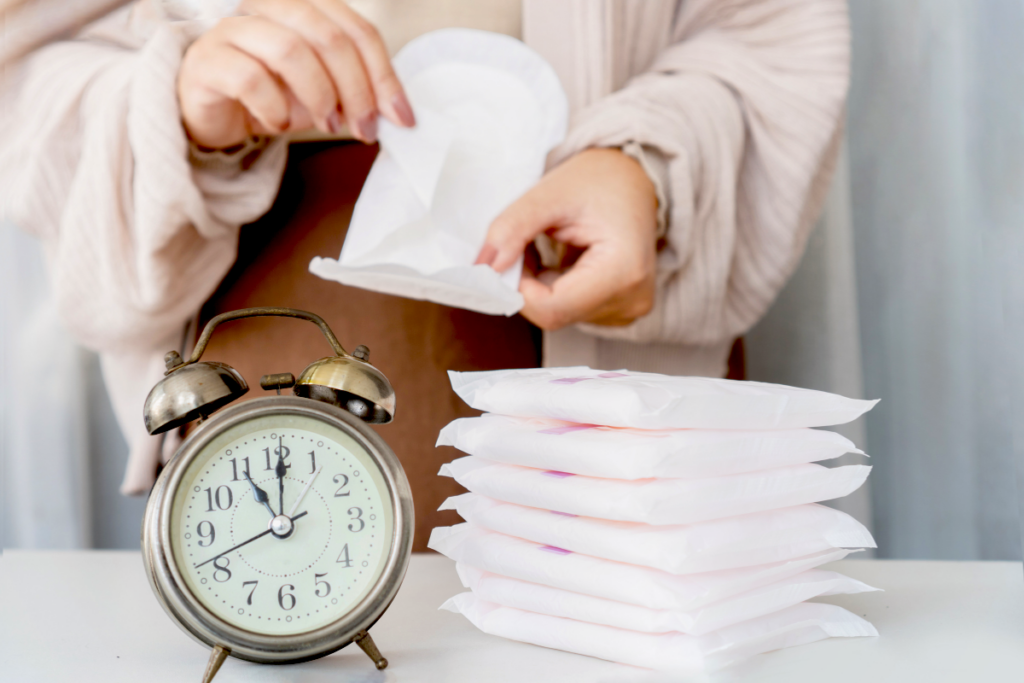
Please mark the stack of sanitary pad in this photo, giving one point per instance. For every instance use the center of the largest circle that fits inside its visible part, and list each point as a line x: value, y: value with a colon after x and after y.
x: 665, y: 522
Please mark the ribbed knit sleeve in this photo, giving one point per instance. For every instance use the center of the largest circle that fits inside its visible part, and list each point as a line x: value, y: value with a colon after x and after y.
x: 94, y: 161
x: 746, y: 106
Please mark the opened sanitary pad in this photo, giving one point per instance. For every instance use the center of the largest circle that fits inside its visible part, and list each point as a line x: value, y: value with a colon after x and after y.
x: 488, y: 109
x: 744, y: 541
x: 675, y: 652
x: 650, y: 401
x: 755, y: 603
x: 656, y: 501
x: 632, y: 584
x: 619, y: 453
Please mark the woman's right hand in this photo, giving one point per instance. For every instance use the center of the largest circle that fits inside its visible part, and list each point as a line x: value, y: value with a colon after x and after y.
x: 288, y: 65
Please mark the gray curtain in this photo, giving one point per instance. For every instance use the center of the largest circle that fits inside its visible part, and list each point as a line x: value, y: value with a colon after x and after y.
x: 936, y: 170
x: 937, y: 153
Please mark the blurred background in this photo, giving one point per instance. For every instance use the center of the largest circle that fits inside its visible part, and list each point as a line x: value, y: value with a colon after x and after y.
x: 906, y: 294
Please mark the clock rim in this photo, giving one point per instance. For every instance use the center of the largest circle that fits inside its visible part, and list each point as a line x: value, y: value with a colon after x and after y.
x: 188, y: 612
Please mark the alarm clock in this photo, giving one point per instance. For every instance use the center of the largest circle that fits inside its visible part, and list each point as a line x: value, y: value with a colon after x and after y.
x: 281, y: 529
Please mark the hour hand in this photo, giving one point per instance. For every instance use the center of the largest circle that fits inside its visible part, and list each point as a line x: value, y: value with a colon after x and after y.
x: 259, y: 494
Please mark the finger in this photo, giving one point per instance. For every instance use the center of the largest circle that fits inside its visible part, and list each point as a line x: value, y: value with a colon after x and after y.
x: 287, y: 53
x: 518, y: 225
x: 387, y: 89
x: 337, y: 52
x: 246, y: 80
x: 568, y: 298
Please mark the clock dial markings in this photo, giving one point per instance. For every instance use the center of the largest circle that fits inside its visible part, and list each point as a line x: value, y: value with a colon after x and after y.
x: 328, y: 572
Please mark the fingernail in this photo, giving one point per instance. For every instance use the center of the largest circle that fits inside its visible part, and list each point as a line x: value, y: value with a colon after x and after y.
x: 403, y: 110
x: 334, y: 122
x: 368, y: 127
x: 487, y: 255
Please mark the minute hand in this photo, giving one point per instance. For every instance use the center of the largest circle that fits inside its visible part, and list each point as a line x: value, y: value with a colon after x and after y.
x: 231, y: 550
x: 280, y: 470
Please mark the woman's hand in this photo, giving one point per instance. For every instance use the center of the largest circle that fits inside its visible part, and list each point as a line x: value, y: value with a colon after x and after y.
x: 288, y: 65
x: 602, y: 206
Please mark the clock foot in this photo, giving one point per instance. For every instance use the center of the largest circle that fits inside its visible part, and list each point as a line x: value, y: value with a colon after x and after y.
x: 217, y: 658
x: 364, y: 641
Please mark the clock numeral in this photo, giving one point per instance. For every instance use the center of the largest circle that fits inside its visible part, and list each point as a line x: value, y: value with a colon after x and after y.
x: 218, y: 498
x: 234, y: 468
x: 281, y: 450
x: 218, y: 568
x: 211, y: 534
x: 319, y: 583
x: 341, y: 493
x: 283, y: 597
x: 248, y: 600
x: 344, y: 558
x: 312, y: 462
x: 357, y: 516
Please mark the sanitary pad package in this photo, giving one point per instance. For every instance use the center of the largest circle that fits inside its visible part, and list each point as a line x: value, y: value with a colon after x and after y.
x: 619, y: 453
x: 665, y: 522
x: 645, y: 400
x: 755, y: 603
x: 657, y: 501
x: 674, y: 652
x: 744, y: 541
x: 652, y: 588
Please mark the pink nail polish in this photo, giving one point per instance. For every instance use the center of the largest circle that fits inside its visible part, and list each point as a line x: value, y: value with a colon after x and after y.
x: 487, y: 255
x: 403, y: 110
x: 334, y: 122
x: 368, y: 127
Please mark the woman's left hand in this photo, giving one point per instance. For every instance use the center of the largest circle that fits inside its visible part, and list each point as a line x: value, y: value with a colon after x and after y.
x: 602, y: 207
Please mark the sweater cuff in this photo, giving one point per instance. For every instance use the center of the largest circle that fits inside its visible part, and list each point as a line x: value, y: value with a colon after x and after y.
x: 656, y: 167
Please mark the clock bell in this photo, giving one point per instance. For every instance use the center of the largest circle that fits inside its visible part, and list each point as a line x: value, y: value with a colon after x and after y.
x: 193, y: 389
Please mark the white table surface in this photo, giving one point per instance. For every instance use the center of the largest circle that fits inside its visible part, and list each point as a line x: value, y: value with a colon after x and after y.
x: 90, y: 616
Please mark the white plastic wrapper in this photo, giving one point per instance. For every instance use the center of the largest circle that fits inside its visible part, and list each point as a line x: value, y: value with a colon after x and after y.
x: 618, y: 453
x: 657, y: 501
x: 755, y: 603
x: 650, y: 401
x: 632, y: 584
x: 488, y: 109
x: 744, y: 541
x: 670, y: 652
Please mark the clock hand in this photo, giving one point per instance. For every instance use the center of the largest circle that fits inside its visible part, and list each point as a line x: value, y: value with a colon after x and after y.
x: 280, y: 470
x: 259, y: 494
x: 259, y: 535
x: 295, y: 505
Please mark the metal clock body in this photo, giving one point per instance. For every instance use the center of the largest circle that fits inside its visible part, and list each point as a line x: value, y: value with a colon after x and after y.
x: 282, y: 528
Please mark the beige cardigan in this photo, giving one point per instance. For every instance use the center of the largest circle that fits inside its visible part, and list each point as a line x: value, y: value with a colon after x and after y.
x: 742, y: 99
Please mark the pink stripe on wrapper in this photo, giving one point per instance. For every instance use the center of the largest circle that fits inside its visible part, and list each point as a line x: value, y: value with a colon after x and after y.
x: 566, y: 429
x: 556, y: 551
x: 563, y: 514
x: 574, y: 380
x: 558, y: 475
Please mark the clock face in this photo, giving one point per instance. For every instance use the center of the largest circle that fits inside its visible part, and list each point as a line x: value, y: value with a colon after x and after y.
x: 281, y: 524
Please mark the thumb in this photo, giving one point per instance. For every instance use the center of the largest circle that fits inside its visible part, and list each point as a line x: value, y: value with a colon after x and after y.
x: 516, y: 227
